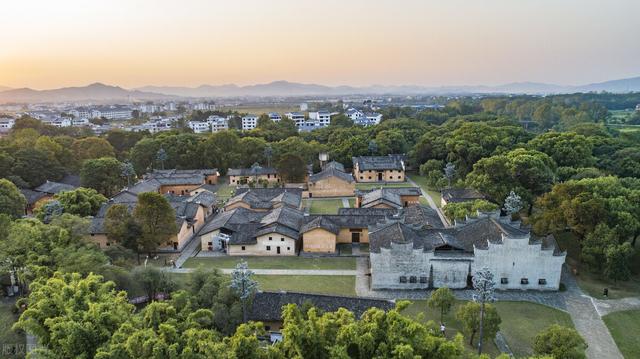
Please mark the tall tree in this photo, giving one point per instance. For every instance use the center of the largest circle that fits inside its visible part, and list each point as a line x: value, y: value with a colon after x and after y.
x: 156, y: 219
x: 122, y: 228
x: 91, y: 148
x: 618, y: 261
x: 103, y: 175
x: 484, y: 288
x: 12, y: 202
x: 81, y: 201
x: 291, y: 168
x: 243, y: 284
x: 442, y: 299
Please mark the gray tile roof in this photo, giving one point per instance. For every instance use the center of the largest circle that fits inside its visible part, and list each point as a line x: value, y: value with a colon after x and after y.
x: 54, y: 187
x: 387, y: 195
x: 379, y: 163
x: 255, y: 170
x: 266, y: 198
x: 267, y: 306
x: 460, y: 194
x: 476, y: 233
x: 331, y: 172
x: 32, y: 196
x: 322, y: 222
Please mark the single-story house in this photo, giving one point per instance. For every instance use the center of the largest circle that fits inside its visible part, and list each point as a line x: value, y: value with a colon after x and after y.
x: 264, y: 199
x: 388, y: 197
x: 332, y: 181
x: 238, y: 176
x: 389, y: 168
x: 178, y: 182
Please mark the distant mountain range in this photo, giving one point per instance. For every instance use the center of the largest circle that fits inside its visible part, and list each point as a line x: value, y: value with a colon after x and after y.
x: 95, y: 92
x: 103, y: 93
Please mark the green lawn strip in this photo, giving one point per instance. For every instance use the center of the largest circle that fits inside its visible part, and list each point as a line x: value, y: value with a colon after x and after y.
x: 8, y: 337
x: 352, y: 202
x: 594, y: 284
x: 521, y: 321
x: 368, y: 186
x: 624, y: 328
x: 324, y: 206
x: 320, y: 284
x: 273, y: 262
x: 335, y: 285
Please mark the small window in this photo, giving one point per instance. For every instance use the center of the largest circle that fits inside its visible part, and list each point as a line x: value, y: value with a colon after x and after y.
x: 209, y: 243
x: 423, y: 279
x: 403, y: 279
x: 542, y: 281
x: 108, y: 244
x: 270, y: 238
x: 524, y: 281
x: 413, y: 279
x: 504, y: 280
x: 288, y: 248
x: 360, y: 177
x: 243, y: 248
x: 369, y: 177
x: 268, y: 248
x: 281, y: 239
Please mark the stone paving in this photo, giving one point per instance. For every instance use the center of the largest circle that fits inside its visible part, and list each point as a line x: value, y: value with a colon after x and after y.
x: 607, y: 306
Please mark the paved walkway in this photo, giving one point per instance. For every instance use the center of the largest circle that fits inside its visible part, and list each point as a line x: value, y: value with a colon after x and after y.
x: 607, y: 306
x: 432, y: 204
x: 189, y: 250
x: 345, y: 202
x: 329, y: 272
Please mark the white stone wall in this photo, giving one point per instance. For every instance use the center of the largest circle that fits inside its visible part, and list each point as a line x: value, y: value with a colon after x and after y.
x: 517, y: 259
x: 399, y: 261
x: 450, y: 273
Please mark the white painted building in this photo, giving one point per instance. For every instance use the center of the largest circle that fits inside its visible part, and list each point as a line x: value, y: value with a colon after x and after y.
x: 218, y: 123
x: 203, y: 106
x: 249, y: 122
x: 274, y: 116
x: 297, y: 117
x: 354, y: 114
x: 6, y: 124
x: 59, y: 122
x: 199, y: 126
x: 322, y: 118
x: 418, y: 256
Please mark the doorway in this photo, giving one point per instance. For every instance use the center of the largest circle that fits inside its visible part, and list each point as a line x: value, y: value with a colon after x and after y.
x: 278, y: 250
x: 379, y: 176
x: 355, y: 237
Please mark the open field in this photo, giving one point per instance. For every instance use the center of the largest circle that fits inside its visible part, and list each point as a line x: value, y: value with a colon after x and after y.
x: 8, y: 337
x: 521, y: 321
x: 273, y: 262
x: 225, y: 191
x: 624, y: 328
x: 594, y: 284
x: 324, y: 206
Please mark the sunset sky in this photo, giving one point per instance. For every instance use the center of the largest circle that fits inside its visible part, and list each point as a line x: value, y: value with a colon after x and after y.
x: 46, y: 43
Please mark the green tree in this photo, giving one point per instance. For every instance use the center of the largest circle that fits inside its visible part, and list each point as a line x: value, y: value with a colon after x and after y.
x: 566, y: 148
x: 156, y: 219
x: 469, y: 316
x: 91, y: 148
x: 121, y: 227
x: 618, y: 261
x: 35, y: 167
x: 595, y: 246
x: 560, y: 343
x: 154, y: 281
x: 442, y: 299
x: 291, y: 168
x: 460, y: 210
x: 103, y: 175
x: 73, y: 316
x: 81, y: 201
x: 12, y: 202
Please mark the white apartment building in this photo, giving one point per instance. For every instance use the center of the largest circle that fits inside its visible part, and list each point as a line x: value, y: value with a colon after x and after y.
x: 199, y: 126
x: 297, y: 117
x: 59, y: 122
x: 274, y: 116
x: 249, y: 122
x: 149, y: 108
x: 111, y: 113
x: 203, y: 106
x: 80, y: 122
x: 321, y: 118
x: 6, y: 124
x: 218, y: 123
x: 354, y: 114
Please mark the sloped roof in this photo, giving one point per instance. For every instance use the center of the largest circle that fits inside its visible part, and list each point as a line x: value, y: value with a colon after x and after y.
x: 267, y: 306
x: 460, y: 194
x: 255, y: 170
x: 266, y: 198
x: 321, y: 222
x: 390, y: 162
x: 54, y: 187
x: 331, y: 172
x: 32, y: 196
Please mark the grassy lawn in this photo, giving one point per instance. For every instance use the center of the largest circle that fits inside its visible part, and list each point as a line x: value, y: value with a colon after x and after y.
x: 321, y: 284
x: 273, y: 262
x: 337, y: 285
x: 521, y: 321
x: 594, y: 284
x: 9, y: 337
x: 624, y: 327
x: 225, y: 191
x: 352, y: 202
x: 324, y: 206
